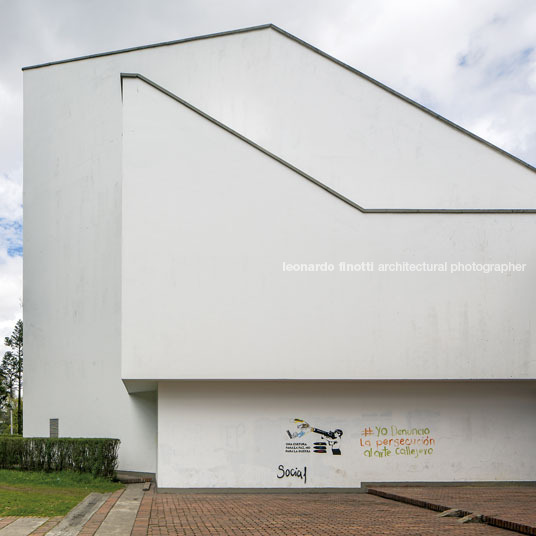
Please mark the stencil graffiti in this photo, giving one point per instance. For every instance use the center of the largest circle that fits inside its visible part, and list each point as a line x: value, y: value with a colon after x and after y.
x: 303, y: 442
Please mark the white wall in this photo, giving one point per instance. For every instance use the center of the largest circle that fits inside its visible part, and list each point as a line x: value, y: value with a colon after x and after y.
x: 234, y: 434
x: 208, y: 222
x: 372, y: 146
x: 335, y: 125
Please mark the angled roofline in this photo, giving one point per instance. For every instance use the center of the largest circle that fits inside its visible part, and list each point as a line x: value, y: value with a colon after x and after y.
x: 153, y: 45
x: 403, y: 97
x: 313, y: 49
x: 315, y: 181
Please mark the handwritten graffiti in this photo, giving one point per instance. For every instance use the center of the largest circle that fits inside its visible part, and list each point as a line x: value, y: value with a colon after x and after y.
x: 282, y: 472
x: 383, y: 442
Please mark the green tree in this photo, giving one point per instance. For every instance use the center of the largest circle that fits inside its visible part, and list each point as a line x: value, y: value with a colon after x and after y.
x: 7, y: 386
x: 9, y: 412
x: 8, y: 369
x: 4, y: 393
x: 12, y: 368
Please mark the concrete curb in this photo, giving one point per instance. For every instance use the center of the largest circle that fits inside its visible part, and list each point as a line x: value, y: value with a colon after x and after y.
x: 75, y: 520
x: 494, y: 521
x: 121, y: 518
x: 23, y: 526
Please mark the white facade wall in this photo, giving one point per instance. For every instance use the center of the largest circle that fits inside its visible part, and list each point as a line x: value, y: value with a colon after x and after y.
x: 96, y: 166
x: 234, y: 434
x: 209, y: 222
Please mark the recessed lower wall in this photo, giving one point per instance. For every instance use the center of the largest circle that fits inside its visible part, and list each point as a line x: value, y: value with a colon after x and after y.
x: 284, y: 434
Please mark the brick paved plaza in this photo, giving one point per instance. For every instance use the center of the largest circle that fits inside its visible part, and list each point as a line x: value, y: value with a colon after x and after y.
x: 132, y: 512
x: 508, y: 507
x: 293, y: 515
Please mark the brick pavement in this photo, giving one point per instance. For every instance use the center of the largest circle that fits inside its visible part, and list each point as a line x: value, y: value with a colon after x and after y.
x: 95, y: 521
x: 46, y: 526
x: 293, y: 515
x: 5, y: 521
x: 141, y: 524
x: 511, y: 507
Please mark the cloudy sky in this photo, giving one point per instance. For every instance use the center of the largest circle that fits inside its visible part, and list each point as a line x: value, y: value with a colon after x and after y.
x: 473, y: 61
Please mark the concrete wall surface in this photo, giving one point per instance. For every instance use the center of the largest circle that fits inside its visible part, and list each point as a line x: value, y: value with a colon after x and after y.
x: 238, y: 434
x: 344, y: 130
x: 210, y: 225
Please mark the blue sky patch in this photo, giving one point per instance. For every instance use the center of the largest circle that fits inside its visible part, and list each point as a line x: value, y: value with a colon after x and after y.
x: 511, y: 65
x: 11, y: 237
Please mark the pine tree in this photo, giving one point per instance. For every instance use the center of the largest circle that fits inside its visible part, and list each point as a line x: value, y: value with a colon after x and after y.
x: 12, y: 368
x: 3, y: 390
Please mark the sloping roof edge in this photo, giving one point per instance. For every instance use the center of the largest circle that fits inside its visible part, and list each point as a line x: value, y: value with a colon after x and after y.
x: 312, y: 179
x: 313, y: 49
x: 154, y: 45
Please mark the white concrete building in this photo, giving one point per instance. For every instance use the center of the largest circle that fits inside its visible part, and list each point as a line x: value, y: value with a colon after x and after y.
x: 260, y: 268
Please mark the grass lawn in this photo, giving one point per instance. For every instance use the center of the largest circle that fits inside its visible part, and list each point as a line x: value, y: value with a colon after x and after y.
x: 27, y: 493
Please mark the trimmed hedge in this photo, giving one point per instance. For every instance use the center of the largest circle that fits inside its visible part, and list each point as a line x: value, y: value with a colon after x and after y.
x: 83, y: 455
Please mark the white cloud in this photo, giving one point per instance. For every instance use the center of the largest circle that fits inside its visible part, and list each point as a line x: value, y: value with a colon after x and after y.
x: 473, y: 62
x: 11, y: 195
x: 10, y: 295
x: 10, y: 148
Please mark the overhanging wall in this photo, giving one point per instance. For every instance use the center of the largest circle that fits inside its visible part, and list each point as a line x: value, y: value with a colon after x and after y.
x: 211, y: 239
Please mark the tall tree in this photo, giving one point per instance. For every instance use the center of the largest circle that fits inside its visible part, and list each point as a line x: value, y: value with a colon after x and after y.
x: 8, y: 371
x: 3, y: 390
x: 14, y: 362
x: 3, y: 402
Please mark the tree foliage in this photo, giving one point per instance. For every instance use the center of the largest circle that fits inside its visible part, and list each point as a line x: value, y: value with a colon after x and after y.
x: 3, y: 391
x: 11, y: 375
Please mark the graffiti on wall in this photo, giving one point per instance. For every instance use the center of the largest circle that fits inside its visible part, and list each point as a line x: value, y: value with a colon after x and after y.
x: 304, y: 438
x: 382, y: 442
x: 283, y: 472
x: 375, y: 442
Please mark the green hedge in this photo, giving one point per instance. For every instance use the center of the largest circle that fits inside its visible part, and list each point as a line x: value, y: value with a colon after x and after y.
x: 83, y: 455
